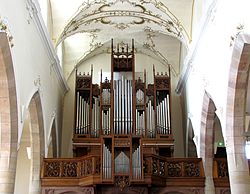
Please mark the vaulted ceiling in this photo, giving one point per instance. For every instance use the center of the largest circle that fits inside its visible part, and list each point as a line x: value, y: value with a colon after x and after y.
x: 161, y: 29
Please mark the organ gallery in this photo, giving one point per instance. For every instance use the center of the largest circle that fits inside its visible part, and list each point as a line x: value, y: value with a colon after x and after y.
x: 122, y: 133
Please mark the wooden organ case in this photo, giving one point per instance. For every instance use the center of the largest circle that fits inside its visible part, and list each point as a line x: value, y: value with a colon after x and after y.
x: 123, y: 120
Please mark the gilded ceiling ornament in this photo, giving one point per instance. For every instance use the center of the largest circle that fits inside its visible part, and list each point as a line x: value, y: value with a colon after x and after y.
x: 134, y: 13
x: 4, y: 28
x: 30, y: 10
x: 238, y: 30
x: 150, y: 45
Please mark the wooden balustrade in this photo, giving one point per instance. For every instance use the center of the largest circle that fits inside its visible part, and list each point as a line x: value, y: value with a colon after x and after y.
x: 173, y: 171
x: 172, y: 167
x: 220, y: 168
x: 220, y: 172
x: 56, y: 171
x: 86, y: 171
x: 157, y: 171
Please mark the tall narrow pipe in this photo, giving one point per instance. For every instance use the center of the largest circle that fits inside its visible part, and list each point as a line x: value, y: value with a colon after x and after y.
x: 109, y: 159
x: 93, y: 123
x: 122, y: 105
x: 161, y: 117
x: 82, y: 115
x: 125, y: 106
x: 151, y: 118
x: 114, y: 89
x: 87, y: 128
x: 77, y: 113
x: 115, y: 106
x: 109, y: 120
x: 131, y: 106
x: 168, y: 112
x: 103, y: 123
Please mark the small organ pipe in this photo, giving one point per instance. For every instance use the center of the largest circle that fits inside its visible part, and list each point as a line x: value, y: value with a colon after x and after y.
x: 106, y: 163
x: 119, y: 106
x: 77, y: 113
x: 136, y: 162
x: 115, y: 107
x: 109, y: 120
x: 82, y: 115
x: 165, y: 115
x: 125, y: 106
x: 127, y: 126
x: 131, y: 107
x: 168, y: 112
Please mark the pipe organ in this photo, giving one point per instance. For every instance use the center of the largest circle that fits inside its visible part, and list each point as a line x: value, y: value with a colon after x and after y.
x: 123, y: 118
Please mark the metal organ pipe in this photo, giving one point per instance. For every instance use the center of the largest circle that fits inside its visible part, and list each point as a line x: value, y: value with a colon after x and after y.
x: 125, y: 106
x: 163, y: 116
x: 168, y: 115
x: 122, y: 106
x: 140, y: 125
x: 150, y: 120
x: 136, y: 163
x: 77, y: 113
x: 95, y: 118
x: 106, y: 167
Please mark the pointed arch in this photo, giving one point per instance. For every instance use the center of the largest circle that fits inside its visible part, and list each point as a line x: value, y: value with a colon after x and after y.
x: 206, y: 140
x: 52, y: 147
x: 235, y: 115
x: 8, y: 118
x: 37, y: 142
x: 191, y: 147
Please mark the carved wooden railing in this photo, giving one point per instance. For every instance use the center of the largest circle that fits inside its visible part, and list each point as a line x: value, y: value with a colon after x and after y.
x: 85, y: 171
x: 70, y: 169
x: 220, y: 172
x: 173, y: 171
x: 220, y: 168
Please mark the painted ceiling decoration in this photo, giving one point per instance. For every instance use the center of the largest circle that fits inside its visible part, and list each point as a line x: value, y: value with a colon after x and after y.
x: 157, y: 32
x: 136, y: 15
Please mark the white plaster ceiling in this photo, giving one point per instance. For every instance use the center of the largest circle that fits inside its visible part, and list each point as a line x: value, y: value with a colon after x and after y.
x: 86, y: 27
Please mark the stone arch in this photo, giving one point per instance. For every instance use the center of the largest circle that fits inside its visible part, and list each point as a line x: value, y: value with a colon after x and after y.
x: 52, y: 147
x: 206, y: 141
x: 191, y: 147
x: 235, y: 115
x: 37, y: 142
x: 219, y: 143
x: 8, y: 118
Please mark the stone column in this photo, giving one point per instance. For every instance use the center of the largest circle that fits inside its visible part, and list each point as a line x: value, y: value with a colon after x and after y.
x: 7, y: 173
x: 238, y: 165
x: 207, y: 141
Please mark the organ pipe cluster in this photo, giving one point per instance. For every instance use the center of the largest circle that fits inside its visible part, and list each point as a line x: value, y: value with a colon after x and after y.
x: 123, y: 106
x: 82, y: 114
x: 106, y: 163
x: 123, y: 117
x: 163, y: 116
x: 136, y: 163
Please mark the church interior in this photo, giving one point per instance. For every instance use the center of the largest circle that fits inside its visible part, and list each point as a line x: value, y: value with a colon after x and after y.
x: 124, y: 96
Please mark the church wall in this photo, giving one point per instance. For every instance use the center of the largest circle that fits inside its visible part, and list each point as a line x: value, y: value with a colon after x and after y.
x: 32, y: 66
x: 211, y: 62
x: 103, y: 62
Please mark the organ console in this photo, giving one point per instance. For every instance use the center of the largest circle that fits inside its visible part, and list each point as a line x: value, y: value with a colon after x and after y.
x: 123, y: 119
